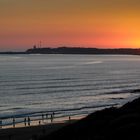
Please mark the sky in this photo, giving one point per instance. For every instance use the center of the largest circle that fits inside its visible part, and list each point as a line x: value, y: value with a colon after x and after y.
x: 77, y: 23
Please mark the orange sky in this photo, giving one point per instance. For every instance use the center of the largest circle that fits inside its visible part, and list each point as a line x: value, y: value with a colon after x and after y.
x: 83, y: 23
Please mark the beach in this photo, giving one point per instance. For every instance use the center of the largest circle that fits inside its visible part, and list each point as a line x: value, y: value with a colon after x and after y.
x: 107, y: 124
x: 20, y: 132
x: 69, y: 69
x: 27, y: 133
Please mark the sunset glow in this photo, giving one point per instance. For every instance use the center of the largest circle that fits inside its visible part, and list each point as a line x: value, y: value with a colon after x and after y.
x: 84, y: 23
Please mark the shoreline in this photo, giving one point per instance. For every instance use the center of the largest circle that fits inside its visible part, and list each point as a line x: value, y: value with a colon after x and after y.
x: 44, y: 122
x: 34, y: 130
x: 42, y: 119
x: 37, y: 116
x: 65, y: 126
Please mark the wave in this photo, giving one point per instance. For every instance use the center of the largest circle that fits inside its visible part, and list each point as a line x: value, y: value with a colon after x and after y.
x: 57, y: 111
x: 117, y: 83
x: 98, y: 78
x: 92, y: 62
x: 98, y: 90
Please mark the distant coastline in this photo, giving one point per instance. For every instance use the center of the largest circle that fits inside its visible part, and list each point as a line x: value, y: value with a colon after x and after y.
x: 77, y: 50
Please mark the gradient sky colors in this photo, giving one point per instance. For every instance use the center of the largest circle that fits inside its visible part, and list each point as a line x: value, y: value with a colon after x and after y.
x: 84, y: 23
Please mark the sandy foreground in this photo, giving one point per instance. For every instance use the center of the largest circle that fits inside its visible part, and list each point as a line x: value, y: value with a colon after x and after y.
x: 20, y: 132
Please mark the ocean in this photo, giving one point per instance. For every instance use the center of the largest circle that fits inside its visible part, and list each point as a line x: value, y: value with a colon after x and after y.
x: 65, y: 84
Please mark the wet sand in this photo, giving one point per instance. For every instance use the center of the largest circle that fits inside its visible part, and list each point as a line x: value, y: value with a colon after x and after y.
x: 34, y: 131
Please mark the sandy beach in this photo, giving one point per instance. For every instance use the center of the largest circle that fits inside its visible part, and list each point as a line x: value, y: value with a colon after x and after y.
x: 20, y: 132
x: 27, y: 133
x: 101, y: 125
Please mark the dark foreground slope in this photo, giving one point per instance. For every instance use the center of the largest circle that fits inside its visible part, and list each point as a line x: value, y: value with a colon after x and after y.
x: 108, y: 124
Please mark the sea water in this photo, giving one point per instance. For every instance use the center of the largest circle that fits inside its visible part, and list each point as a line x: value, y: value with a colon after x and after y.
x: 66, y: 84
